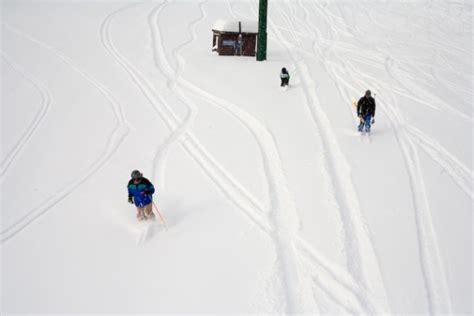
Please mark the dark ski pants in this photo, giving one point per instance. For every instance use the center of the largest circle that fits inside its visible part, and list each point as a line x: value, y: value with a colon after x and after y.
x: 285, y: 81
x: 365, y: 123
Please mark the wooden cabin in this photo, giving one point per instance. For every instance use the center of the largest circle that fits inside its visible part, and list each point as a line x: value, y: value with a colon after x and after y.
x: 235, y: 38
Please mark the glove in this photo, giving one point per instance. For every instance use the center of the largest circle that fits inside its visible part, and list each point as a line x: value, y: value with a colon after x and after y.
x: 373, y: 120
x: 130, y: 200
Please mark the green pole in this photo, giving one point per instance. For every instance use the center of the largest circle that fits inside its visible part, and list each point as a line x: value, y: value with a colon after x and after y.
x: 262, y: 30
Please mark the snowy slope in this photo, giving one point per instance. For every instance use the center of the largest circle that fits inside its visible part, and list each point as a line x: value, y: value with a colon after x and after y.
x: 274, y: 203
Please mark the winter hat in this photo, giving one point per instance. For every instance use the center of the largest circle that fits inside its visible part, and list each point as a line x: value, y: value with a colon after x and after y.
x: 136, y: 174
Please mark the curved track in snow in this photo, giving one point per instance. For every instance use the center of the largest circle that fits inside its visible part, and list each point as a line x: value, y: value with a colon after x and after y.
x: 297, y: 298
x: 361, y: 259
x: 302, y: 279
x: 282, y: 218
x: 409, y: 139
x: 180, y: 131
x: 117, y: 136
x: 344, y: 285
x: 430, y: 258
x: 45, y: 106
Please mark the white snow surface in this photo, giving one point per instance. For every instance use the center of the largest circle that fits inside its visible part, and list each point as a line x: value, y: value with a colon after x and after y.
x: 273, y: 202
x: 233, y: 26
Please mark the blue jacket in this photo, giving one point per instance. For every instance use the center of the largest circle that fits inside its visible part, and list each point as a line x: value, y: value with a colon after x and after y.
x: 141, y: 192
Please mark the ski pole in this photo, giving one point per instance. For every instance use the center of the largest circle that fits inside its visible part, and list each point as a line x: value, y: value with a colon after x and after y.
x: 160, y: 216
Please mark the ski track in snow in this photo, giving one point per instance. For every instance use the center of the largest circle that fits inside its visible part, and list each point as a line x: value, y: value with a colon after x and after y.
x: 142, y: 231
x: 119, y: 133
x: 223, y: 179
x: 408, y: 137
x: 430, y: 257
x: 348, y: 287
x: 430, y: 100
x: 45, y: 106
x: 413, y: 89
x: 282, y: 217
x: 366, y: 304
x: 460, y: 174
x: 336, y: 283
x: 160, y: 160
x: 361, y: 257
x: 429, y: 254
x: 455, y: 89
x: 353, y: 292
x: 340, y: 287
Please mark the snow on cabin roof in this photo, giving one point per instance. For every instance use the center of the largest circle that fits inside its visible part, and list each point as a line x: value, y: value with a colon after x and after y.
x: 233, y: 26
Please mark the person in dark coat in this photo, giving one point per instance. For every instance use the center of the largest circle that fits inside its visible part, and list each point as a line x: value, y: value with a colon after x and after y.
x: 140, y: 193
x: 366, y: 112
x: 239, y: 45
x: 285, y: 77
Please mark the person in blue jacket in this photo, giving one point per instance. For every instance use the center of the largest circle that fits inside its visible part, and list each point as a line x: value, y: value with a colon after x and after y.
x: 140, y: 192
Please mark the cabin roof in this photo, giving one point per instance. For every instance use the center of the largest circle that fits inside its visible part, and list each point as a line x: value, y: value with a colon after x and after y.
x: 248, y: 26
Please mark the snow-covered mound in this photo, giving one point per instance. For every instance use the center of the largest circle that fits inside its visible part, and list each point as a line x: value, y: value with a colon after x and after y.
x: 235, y: 26
x: 273, y: 201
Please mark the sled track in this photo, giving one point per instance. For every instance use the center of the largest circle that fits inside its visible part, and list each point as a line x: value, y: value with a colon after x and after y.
x: 45, y: 106
x: 119, y: 133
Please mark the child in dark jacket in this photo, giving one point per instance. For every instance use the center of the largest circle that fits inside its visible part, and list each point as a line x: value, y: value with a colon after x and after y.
x: 140, y: 191
x: 285, y: 77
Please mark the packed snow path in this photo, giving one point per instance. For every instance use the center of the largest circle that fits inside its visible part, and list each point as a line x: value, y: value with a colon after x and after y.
x: 275, y: 204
